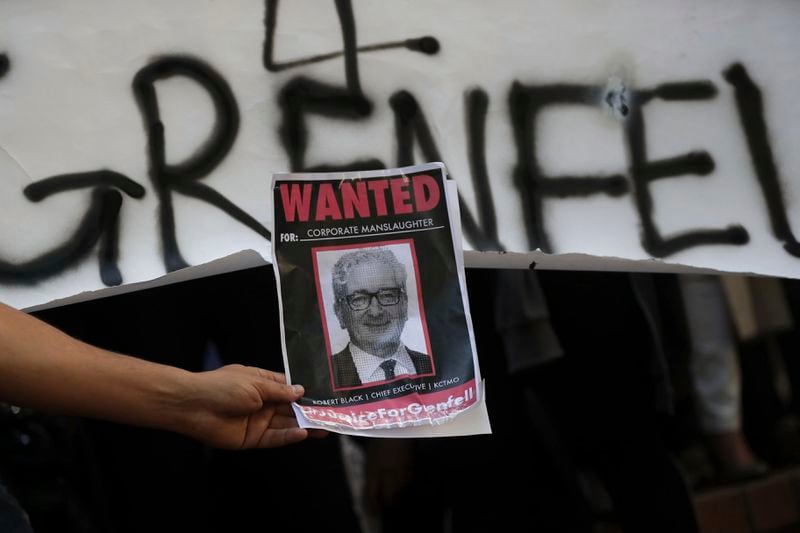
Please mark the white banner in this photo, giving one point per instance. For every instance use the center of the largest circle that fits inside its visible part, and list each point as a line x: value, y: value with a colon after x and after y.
x: 137, y: 138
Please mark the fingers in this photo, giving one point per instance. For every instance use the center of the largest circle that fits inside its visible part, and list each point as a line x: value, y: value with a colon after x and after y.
x: 284, y: 417
x: 283, y: 428
x: 283, y: 422
x: 280, y: 377
x: 284, y: 409
x: 257, y: 371
x: 271, y: 385
x: 274, y: 438
x: 287, y: 420
x: 272, y: 391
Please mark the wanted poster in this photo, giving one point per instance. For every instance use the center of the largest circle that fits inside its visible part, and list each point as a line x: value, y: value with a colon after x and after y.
x: 374, y: 316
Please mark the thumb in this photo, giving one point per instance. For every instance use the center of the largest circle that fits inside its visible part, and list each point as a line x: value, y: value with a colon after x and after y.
x: 272, y: 391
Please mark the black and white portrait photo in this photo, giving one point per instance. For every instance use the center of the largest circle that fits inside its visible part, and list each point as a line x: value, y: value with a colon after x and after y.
x: 371, y: 310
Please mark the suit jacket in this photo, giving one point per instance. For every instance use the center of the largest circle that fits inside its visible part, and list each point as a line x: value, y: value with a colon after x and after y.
x: 345, y: 373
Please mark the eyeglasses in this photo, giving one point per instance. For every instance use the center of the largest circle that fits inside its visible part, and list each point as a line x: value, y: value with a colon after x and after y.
x: 360, y: 300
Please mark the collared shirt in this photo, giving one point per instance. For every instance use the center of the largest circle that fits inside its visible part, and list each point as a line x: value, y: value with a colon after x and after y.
x: 368, y: 365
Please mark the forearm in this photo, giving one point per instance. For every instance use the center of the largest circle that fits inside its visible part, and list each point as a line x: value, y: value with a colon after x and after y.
x: 43, y: 368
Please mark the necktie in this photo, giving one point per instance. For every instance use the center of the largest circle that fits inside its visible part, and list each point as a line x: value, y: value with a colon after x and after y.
x: 388, y: 368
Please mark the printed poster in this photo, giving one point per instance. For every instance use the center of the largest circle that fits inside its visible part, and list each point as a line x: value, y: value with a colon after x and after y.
x: 374, y: 314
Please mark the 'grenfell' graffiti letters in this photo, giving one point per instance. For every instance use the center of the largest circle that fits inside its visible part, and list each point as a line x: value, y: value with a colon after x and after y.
x: 303, y: 95
x: 525, y: 102
x: 410, y: 122
x: 101, y: 221
x: 751, y: 114
x: 644, y: 172
x: 300, y: 95
x: 184, y: 177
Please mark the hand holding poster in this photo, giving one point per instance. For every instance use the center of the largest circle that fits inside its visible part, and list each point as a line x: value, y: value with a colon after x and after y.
x: 375, y: 322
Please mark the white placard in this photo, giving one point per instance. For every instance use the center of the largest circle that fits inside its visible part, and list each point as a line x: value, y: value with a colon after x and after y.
x: 662, y: 133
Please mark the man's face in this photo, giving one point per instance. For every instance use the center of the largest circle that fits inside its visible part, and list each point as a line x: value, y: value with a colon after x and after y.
x: 376, y: 328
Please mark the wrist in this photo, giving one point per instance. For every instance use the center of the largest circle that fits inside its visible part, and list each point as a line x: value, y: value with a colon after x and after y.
x: 176, y: 401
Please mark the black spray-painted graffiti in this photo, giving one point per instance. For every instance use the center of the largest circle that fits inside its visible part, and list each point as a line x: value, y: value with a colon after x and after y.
x: 751, y: 115
x: 183, y: 177
x: 100, y: 223
x: 527, y: 101
x: 301, y: 96
x: 4, y: 64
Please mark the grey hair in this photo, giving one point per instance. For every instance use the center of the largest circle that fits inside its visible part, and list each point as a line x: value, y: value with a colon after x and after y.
x: 350, y: 260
